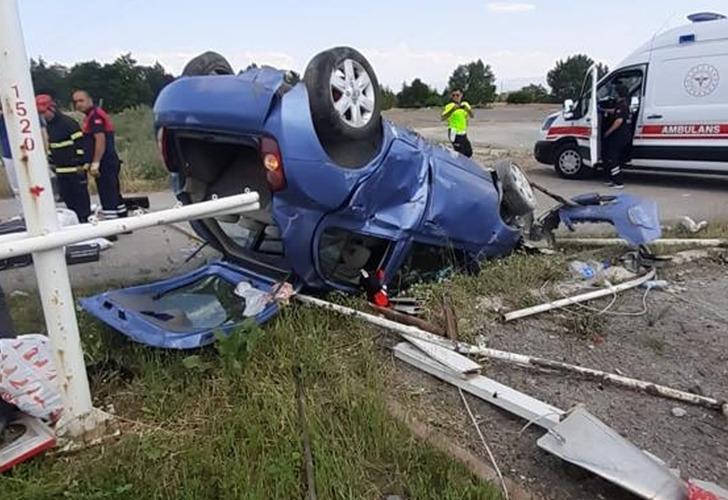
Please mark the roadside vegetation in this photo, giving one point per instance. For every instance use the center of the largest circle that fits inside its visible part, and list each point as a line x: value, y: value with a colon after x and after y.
x: 222, y: 422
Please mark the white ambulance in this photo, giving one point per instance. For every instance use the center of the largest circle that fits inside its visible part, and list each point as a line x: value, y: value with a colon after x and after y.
x: 678, y: 84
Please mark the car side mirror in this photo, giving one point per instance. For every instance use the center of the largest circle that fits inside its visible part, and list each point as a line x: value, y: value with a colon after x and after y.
x: 568, y: 106
x: 634, y: 104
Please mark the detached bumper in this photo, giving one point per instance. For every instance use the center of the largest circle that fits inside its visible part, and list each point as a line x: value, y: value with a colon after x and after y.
x: 544, y: 152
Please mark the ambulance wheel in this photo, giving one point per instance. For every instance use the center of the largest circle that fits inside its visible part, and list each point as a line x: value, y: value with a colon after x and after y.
x: 568, y: 162
x: 208, y: 63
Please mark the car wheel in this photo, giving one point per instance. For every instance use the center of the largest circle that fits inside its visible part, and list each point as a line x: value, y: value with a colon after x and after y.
x: 208, y: 63
x: 568, y: 162
x: 518, y: 196
x: 345, y: 103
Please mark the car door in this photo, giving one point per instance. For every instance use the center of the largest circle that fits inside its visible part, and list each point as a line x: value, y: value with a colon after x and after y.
x: 594, y: 119
x: 377, y: 221
x: 631, y: 77
x: 684, y: 123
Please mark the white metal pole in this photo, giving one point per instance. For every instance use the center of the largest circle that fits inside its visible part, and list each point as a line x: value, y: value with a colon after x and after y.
x: 28, y: 151
x: 83, y: 232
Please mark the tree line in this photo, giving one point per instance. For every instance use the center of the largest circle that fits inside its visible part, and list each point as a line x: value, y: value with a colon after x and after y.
x: 477, y: 81
x: 124, y: 83
x: 121, y: 84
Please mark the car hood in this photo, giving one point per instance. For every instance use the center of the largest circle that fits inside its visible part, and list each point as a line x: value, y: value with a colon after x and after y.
x: 222, y: 102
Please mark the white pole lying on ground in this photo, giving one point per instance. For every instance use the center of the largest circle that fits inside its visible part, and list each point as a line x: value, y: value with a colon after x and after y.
x: 43, y: 237
x: 83, y: 232
x: 576, y: 299
x: 521, y: 359
x: 671, y: 242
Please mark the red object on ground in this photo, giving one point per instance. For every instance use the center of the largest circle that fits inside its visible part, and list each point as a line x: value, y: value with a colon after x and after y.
x: 698, y: 493
x: 374, y: 287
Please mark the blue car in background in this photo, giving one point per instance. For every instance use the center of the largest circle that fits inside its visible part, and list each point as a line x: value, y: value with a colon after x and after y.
x: 342, y: 190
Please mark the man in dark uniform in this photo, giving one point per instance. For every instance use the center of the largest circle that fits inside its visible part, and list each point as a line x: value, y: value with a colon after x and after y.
x: 617, y: 138
x: 105, y: 164
x: 67, y: 156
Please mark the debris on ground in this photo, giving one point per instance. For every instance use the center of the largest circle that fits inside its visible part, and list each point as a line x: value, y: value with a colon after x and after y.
x: 691, y: 226
x: 577, y: 299
x: 679, y: 412
x: 28, y: 376
x: 23, y: 439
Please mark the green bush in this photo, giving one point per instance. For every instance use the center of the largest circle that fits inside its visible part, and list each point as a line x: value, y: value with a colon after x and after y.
x: 518, y: 97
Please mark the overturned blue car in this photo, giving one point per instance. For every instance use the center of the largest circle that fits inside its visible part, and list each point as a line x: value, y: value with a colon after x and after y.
x: 342, y: 190
x: 343, y: 193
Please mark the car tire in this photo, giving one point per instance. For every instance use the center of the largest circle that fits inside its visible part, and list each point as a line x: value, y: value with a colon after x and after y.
x: 518, y: 196
x: 208, y: 63
x: 568, y: 162
x: 346, y: 105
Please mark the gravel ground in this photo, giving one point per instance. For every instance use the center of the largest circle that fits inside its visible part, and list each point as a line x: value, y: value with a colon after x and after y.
x: 677, y: 343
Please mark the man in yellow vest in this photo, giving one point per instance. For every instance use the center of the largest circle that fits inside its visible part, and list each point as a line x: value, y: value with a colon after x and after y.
x: 457, y: 112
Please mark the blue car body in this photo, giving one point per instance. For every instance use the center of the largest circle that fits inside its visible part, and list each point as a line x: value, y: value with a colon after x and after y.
x: 410, y: 192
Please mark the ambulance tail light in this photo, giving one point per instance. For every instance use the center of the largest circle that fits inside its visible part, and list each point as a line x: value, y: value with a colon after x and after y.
x: 270, y: 155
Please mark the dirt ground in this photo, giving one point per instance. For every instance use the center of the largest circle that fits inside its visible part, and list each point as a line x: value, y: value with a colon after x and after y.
x: 679, y: 342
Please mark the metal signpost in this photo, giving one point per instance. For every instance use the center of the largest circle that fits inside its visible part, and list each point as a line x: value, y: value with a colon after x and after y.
x: 44, y: 239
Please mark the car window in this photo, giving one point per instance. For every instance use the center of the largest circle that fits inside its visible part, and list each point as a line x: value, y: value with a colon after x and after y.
x: 632, y: 79
x: 343, y: 254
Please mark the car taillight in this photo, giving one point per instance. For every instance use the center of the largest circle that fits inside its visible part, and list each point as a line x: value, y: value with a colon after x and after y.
x: 270, y: 154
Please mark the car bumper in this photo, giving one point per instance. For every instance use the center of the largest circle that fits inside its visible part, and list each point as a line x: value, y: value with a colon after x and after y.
x: 544, y: 152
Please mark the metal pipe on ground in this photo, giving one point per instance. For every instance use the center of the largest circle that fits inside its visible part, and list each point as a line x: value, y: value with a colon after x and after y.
x: 524, y: 360
x: 605, y: 242
x: 576, y: 299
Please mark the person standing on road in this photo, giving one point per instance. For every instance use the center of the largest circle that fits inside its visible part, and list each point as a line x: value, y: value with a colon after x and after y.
x: 67, y: 156
x: 617, y: 138
x: 457, y: 112
x: 105, y: 164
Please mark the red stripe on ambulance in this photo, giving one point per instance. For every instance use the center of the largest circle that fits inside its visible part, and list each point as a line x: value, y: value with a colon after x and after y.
x: 584, y: 132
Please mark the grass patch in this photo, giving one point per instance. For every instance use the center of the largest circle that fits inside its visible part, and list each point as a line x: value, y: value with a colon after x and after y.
x: 137, y: 145
x: 225, y: 425
x: 585, y: 324
x: 512, y: 279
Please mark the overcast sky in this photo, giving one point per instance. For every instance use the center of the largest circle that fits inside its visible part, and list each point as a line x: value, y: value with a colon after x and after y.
x: 404, y: 39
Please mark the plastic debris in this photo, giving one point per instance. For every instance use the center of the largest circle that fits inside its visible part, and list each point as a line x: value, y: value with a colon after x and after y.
x: 586, y: 270
x: 679, y: 412
x: 656, y: 285
x: 27, y: 376
x: 255, y: 300
x: 691, y: 226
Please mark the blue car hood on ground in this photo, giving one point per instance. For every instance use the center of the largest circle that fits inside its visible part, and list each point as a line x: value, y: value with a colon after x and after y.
x: 225, y: 102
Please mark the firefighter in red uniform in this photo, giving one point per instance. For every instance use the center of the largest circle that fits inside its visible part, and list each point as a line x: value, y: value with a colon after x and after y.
x: 67, y: 156
x: 105, y: 164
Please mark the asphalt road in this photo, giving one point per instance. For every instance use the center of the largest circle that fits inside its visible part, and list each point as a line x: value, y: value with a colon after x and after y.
x: 501, y: 127
x: 161, y: 252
